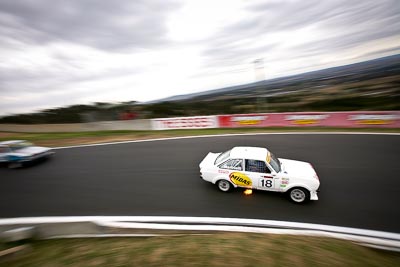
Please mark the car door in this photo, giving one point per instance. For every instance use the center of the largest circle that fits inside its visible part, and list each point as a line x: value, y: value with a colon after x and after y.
x: 234, y: 171
x: 261, y: 175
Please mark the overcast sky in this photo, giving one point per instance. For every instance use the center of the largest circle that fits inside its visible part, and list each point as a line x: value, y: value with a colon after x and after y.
x: 57, y: 53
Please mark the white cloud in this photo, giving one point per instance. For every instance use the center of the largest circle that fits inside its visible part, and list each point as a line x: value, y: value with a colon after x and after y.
x: 200, y: 20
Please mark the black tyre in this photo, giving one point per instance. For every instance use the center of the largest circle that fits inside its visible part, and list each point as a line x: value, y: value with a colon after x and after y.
x: 299, y: 195
x: 14, y: 165
x: 224, y: 185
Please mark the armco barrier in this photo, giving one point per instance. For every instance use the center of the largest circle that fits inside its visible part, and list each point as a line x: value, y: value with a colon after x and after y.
x: 124, y: 226
x: 357, y: 119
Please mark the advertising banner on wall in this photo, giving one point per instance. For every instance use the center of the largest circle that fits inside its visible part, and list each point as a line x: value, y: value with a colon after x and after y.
x: 197, y: 122
x: 389, y: 119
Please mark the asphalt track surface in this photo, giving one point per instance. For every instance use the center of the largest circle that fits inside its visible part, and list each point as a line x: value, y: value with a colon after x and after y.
x: 359, y: 174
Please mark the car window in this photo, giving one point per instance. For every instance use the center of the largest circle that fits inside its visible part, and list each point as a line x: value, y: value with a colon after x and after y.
x: 274, y: 162
x: 233, y: 164
x: 222, y: 157
x: 256, y: 166
x: 3, y: 149
x: 20, y: 145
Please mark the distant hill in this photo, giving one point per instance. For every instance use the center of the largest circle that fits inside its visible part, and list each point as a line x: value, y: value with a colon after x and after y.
x: 381, y: 67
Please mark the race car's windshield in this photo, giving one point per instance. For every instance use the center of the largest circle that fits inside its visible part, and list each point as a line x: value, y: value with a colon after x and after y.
x: 222, y: 157
x: 274, y: 162
x: 20, y: 145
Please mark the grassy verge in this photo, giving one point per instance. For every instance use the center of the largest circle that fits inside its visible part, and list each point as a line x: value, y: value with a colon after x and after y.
x: 75, y: 138
x: 229, y: 249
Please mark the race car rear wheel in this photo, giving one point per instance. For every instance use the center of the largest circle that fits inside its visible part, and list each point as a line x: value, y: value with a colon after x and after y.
x: 224, y: 185
x: 299, y: 195
x: 14, y: 165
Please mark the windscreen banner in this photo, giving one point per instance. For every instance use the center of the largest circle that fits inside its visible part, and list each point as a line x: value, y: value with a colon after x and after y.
x: 197, y: 122
x: 358, y: 119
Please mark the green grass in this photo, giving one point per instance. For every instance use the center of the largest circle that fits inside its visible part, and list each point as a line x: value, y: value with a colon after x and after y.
x: 74, y: 138
x: 228, y: 249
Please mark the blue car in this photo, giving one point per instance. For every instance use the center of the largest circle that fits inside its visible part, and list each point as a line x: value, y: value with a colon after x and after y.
x: 16, y: 153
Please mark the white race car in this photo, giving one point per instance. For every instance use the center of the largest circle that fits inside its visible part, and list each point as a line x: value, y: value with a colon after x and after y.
x: 258, y: 168
x: 17, y: 152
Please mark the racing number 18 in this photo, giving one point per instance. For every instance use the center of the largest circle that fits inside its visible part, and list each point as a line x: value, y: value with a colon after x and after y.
x: 266, y: 183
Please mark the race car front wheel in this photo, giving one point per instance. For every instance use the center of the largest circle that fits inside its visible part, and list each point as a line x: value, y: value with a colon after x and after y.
x: 299, y: 195
x: 224, y: 185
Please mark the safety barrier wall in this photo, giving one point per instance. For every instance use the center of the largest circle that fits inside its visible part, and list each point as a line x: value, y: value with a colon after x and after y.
x: 356, y: 119
x: 196, y: 122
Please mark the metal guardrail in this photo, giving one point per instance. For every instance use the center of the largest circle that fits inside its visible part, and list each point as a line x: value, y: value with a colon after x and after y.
x: 13, y: 229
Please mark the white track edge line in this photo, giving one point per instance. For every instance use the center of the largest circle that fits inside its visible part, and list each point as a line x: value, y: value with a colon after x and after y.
x: 225, y: 135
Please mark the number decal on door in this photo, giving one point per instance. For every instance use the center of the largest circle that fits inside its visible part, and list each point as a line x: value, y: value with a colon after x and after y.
x: 266, y: 183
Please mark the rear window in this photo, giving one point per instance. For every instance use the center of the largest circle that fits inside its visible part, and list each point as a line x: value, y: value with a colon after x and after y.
x: 232, y: 164
x: 222, y: 157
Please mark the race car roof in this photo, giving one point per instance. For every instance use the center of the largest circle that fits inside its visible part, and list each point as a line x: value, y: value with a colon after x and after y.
x: 9, y: 142
x: 247, y: 152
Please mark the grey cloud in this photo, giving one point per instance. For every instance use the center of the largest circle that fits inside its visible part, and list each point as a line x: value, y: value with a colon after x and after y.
x: 14, y: 81
x: 333, y: 45
x: 37, y: 104
x: 100, y: 24
x: 347, y: 24
x: 294, y: 15
x: 231, y: 55
x: 47, y: 80
x: 391, y: 51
